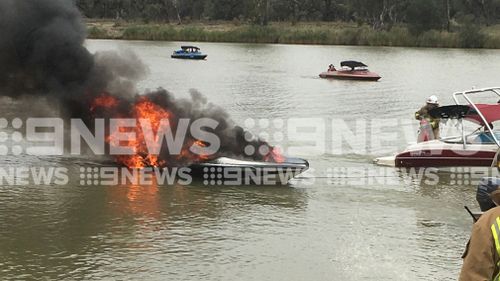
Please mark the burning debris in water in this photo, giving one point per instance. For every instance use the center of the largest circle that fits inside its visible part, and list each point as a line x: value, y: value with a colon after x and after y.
x: 42, y: 54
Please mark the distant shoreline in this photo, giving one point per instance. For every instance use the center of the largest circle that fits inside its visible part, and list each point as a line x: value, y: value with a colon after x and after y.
x: 317, y: 33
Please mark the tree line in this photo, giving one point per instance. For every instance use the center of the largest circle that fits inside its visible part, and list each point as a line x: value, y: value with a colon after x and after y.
x: 419, y: 15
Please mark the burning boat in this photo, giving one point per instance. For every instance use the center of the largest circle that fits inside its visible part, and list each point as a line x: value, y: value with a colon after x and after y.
x: 471, y: 149
x: 162, y: 115
x: 46, y: 57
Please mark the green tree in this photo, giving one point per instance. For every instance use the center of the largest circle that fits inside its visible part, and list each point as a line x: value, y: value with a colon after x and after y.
x: 423, y: 15
x: 470, y: 34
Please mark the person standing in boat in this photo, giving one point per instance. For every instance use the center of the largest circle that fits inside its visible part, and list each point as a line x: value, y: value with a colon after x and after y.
x: 429, y: 126
x: 331, y: 68
x: 482, y: 253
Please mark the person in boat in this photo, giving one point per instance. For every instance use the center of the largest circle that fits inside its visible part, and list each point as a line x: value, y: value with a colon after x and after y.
x: 485, y: 135
x: 331, y: 68
x: 423, y: 115
x: 482, y: 253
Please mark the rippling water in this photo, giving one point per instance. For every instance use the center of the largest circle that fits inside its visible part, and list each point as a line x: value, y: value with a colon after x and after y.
x: 389, y: 227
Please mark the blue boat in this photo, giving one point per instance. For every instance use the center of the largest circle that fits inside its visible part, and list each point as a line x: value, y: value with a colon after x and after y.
x: 189, y: 53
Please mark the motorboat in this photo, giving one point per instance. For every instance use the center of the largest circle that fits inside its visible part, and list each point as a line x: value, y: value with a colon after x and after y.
x: 351, y: 70
x: 470, y: 149
x: 189, y: 52
x: 230, y: 171
x: 486, y: 187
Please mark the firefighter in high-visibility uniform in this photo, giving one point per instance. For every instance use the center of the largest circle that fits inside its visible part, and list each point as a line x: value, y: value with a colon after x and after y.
x: 482, y: 255
x: 423, y: 115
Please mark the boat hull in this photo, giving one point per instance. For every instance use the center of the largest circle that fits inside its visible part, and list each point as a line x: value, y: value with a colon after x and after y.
x: 440, y: 153
x: 227, y: 171
x: 351, y: 75
x: 189, y: 57
x: 428, y: 158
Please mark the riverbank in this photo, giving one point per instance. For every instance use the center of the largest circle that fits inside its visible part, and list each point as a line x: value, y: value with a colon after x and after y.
x: 336, y: 33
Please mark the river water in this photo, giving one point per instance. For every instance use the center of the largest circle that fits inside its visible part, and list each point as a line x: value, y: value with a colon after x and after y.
x: 346, y: 219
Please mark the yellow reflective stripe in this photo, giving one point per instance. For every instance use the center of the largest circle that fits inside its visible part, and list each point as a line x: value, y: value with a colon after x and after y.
x: 495, y: 230
x: 495, y: 236
x: 497, y: 243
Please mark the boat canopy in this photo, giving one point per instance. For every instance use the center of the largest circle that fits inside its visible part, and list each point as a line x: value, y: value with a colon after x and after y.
x: 353, y: 64
x: 450, y: 112
x: 189, y: 47
x: 490, y: 112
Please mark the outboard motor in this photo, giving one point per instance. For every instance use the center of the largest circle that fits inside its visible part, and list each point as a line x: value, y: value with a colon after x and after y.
x: 485, y: 188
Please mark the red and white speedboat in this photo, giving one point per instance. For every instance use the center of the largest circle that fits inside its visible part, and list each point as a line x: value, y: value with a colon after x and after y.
x: 478, y: 148
x: 351, y: 70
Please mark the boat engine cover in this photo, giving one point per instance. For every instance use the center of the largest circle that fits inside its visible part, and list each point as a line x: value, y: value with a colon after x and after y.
x: 485, y: 188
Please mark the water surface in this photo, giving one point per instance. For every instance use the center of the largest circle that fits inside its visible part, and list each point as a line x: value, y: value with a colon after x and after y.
x: 389, y: 227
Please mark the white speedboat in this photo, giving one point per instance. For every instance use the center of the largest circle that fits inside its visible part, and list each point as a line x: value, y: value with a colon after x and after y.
x: 477, y: 148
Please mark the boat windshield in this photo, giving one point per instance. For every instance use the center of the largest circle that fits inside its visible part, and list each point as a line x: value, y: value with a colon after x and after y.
x: 474, y: 134
x: 483, y: 138
x: 485, y: 114
x: 190, y: 49
x: 345, y: 68
x: 475, y: 138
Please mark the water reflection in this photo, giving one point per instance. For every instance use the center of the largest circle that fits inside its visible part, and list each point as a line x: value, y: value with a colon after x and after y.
x: 442, y: 184
x: 79, y: 232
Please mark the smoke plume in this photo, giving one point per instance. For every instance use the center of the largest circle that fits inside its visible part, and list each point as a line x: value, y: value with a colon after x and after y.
x: 42, y: 54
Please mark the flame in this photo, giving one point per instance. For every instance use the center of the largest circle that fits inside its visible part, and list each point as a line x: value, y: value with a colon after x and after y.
x: 192, y: 157
x: 143, y: 108
x: 104, y: 100
x: 275, y: 155
x: 202, y: 144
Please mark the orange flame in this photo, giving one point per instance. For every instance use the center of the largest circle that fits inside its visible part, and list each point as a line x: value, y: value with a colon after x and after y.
x: 104, y: 100
x: 275, y: 155
x: 142, y: 109
x: 192, y: 157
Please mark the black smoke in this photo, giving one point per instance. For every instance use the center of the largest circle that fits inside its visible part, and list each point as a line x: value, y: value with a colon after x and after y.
x: 41, y: 50
x: 42, y: 54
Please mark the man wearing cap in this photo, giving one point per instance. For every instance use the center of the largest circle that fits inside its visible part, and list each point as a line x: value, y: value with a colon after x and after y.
x: 482, y: 255
x: 423, y: 115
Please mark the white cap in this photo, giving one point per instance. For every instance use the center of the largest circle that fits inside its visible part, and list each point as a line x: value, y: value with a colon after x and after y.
x: 432, y: 100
